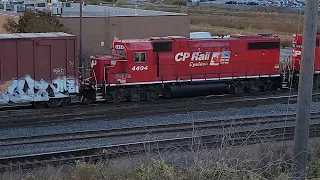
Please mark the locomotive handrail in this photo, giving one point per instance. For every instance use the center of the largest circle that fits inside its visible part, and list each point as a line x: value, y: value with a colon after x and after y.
x: 205, y: 73
x: 124, y: 60
x: 219, y: 72
x: 232, y: 71
x: 104, y: 79
x: 246, y: 69
x: 95, y: 78
x: 270, y: 70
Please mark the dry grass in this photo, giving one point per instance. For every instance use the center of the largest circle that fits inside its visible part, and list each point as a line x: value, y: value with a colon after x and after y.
x: 286, y: 38
x: 255, y: 162
x: 280, y: 22
x: 226, y: 21
x: 230, y: 21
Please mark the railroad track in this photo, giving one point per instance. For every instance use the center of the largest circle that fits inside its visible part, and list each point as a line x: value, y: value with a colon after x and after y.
x: 20, y: 118
x: 75, y: 103
x: 240, y: 131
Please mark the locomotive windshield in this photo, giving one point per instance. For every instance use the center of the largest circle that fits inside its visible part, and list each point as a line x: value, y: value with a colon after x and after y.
x: 119, y: 52
x: 297, y: 44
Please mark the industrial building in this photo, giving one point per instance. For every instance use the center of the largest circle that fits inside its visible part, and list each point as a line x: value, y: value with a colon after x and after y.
x: 100, y: 24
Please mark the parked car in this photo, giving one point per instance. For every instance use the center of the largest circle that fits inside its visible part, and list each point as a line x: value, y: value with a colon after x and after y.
x: 231, y: 2
x: 252, y: 3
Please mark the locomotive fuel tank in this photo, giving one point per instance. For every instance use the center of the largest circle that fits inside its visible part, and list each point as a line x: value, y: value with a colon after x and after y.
x: 197, y: 89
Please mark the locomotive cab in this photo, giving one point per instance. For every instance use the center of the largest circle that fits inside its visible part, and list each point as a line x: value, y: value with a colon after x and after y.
x: 131, y: 61
x: 100, y: 66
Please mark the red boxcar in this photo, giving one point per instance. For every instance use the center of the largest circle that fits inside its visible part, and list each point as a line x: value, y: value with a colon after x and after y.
x: 38, y: 68
x: 163, y: 60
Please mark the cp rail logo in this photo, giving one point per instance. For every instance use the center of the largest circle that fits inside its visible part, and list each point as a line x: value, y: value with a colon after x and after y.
x: 204, y: 59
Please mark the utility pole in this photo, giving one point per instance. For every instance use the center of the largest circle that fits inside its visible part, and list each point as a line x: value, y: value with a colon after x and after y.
x: 80, y: 41
x: 305, y: 90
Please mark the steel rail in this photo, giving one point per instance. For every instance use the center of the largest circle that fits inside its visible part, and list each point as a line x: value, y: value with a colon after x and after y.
x: 228, y: 97
x: 188, y: 127
x: 31, y: 119
x: 141, y: 130
x: 237, y: 138
x: 77, y: 103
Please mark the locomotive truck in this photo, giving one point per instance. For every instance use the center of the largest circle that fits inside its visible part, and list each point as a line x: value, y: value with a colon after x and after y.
x: 43, y: 68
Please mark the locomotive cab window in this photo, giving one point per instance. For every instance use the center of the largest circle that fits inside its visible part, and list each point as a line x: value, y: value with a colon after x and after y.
x: 299, y: 45
x: 139, y: 57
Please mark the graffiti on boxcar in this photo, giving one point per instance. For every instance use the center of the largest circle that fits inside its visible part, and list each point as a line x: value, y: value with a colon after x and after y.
x: 27, y: 89
x: 59, y: 71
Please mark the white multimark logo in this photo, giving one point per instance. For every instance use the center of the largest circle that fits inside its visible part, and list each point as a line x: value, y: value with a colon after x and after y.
x: 196, y: 56
x: 201, y: 59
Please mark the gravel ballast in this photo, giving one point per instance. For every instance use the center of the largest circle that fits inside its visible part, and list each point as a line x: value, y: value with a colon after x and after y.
x: 231, y: 113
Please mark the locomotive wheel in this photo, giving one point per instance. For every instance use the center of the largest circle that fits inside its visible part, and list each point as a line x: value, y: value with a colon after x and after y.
x: 144, y: 96
x: 108, y: 98
x: 157, y: 96
x: 116, y: 97
x: 247, y: 88
x: 39, y: 105
x: 134, y: 96
x: 233, y: 89
x: 53, y: 103
x: 89, y: 97
x: 154, y: 95
x: 262, y: 87
x: 167, y: 93
x: 273, y: 86
x: 66, y: 102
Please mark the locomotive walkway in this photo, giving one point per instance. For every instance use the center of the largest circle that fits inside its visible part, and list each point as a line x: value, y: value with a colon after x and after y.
x: 211, y: 133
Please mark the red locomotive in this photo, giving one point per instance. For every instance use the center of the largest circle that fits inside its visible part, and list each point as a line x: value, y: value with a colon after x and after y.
x: 290, y: 72
x: 296, y: 52
x: 148, y: 68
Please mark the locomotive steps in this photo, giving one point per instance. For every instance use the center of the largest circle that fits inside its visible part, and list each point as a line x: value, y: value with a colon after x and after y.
x: 240, y: 131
